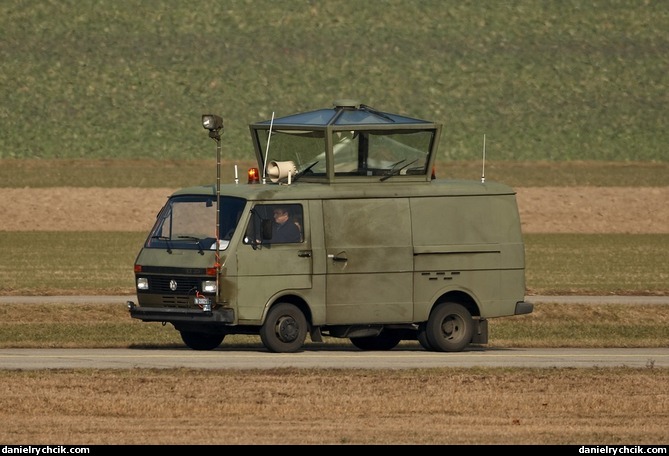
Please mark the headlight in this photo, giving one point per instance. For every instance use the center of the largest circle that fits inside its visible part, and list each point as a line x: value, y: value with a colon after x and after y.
x: 212, y: 122
x: 209, y: 286
x: 142, y: 283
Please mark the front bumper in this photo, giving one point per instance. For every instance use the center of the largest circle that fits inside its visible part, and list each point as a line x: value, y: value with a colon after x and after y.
x: 171, y: 314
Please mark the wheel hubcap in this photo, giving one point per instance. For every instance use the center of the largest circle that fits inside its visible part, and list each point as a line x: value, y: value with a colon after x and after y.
x: 450, y: 328
x: 287, y: 329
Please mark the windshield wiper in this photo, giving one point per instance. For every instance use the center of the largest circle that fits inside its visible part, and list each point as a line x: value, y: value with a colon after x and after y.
x: 396, y: 171
x: 197, y: 241
x: 304, y: 171
x: 167, y: 241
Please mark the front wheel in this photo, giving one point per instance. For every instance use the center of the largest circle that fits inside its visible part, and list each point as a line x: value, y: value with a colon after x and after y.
x: 201, y: 341
x: 449, y: 328
x: 285, y: 329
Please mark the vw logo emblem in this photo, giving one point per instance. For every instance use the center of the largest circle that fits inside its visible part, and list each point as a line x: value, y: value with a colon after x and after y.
x: 173, y: 285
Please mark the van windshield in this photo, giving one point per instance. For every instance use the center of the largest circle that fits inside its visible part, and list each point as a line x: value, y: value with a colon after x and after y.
x: 354, y: 153
x: 189, y: 222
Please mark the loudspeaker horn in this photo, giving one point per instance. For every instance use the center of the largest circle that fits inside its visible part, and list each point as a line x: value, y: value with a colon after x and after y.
x: 278, y: 170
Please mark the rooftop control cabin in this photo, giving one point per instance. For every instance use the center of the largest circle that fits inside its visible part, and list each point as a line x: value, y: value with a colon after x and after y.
x: 349, y: 142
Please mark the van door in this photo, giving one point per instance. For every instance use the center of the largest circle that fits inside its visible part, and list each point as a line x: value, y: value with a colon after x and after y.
x: 369, y: 260
x: 274, y: 262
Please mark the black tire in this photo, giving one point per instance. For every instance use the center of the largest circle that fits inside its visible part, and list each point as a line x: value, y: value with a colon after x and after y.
x: 201, y: 341
x: 387, y: 340
x: 285, y: 329
x: 449, y: 328
x: 422, y: 338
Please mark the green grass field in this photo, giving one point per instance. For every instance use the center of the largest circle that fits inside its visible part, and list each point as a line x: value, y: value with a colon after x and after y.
x: 52, y: 325
x: 74, y: 263
x: 556, y: 81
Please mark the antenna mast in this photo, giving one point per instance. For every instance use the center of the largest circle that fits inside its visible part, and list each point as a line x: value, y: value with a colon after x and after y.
x: 483, y: 169
x: 269, y: 137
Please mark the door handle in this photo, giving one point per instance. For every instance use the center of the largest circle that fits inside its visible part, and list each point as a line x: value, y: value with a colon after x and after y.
x: 304, y: 253
x: 339, y: 257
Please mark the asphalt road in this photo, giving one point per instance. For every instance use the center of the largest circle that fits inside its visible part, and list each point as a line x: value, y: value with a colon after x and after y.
x: 399, y: 358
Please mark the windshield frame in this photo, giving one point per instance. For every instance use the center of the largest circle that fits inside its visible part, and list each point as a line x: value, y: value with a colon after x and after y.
x: 188, y: 222
x: 338, y: 154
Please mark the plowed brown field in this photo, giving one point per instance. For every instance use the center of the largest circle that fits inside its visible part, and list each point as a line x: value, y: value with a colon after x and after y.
x: 542, y: 209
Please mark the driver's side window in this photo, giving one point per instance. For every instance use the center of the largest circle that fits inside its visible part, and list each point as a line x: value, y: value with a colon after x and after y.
x: 276, y: 224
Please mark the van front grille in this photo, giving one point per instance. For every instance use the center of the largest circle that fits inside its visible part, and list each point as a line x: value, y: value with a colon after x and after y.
x: 181, y: 285
x: 175, y: 301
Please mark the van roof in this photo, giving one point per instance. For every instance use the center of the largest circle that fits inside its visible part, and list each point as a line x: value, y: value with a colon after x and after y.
x: 307, y: 191
x: 347, y: 113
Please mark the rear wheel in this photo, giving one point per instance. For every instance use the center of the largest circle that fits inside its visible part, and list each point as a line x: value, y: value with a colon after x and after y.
x: 386, y: 340
x: 201, y: 341
x: 449, y: 328
x: 285, y: 329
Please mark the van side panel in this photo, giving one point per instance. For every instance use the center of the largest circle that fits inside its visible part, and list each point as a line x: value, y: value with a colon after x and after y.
x: 369, y: 260
x: 470, y: 243
x: 462, y: 219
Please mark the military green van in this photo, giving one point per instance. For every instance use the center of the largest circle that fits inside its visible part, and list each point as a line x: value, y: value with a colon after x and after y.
x: 343, y: 230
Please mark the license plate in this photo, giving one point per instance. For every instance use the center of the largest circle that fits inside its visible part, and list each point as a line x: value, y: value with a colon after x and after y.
x: 202, y: 301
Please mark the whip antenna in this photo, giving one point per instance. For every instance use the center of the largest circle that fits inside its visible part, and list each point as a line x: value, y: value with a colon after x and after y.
x: 269, y: 137
x: 483, y: 167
